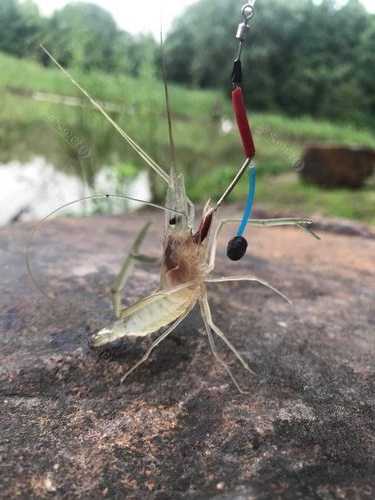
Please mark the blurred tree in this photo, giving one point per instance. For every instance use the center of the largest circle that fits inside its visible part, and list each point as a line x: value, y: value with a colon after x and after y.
x: 325, y: 61
x: 83, y: 34
x: 365, y: 66
x: 20, y: 26
x: 86, y: 35
x: 303, y: 56
x: 138, y: 51
x: 200, y: 47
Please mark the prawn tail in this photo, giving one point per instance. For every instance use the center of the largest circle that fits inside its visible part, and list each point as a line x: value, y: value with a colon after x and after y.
x: 148, y: 315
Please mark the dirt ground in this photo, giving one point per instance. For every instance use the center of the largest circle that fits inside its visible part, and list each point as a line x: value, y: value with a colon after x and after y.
x: 178, y: 428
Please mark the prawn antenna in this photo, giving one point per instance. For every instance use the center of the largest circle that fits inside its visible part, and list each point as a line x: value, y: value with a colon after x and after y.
x: 145, y: 157
x: 63, y: 207
x: 168, y: 107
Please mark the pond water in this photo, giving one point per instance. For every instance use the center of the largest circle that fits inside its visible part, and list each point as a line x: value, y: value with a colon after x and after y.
x: 32, y: 190
x: 44, y: 168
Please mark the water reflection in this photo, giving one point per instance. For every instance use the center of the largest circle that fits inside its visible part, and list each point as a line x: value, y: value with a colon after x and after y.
x: 32, y: 190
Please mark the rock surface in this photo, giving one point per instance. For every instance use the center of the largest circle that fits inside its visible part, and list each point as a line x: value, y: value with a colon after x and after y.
x: 178, y: 428
x: 332, y: 167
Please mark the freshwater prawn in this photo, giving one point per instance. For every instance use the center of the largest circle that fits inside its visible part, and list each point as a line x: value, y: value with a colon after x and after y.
x: 187, y: 264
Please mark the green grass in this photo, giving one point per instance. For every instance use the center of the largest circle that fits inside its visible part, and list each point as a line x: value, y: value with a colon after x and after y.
x: 207, y: 156
x: 129, y: 93
x: 304, y: 130
x: 304, y: 199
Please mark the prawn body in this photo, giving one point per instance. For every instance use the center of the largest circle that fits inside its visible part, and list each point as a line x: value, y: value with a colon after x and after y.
x: 187, y: 262
x: 188, y: 259
x: 182, y: 276
x: 148, y: 315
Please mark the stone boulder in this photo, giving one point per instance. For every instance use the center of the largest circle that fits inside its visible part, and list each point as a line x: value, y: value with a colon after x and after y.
x: 178, y: 429
x: 334, y: 167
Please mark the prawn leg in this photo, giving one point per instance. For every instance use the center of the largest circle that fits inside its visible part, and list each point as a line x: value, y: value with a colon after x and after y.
x: 300, y: 223
x: 127, y: 268
x: 209, y: 325
x: 226, y: 279
x: 163, y: 336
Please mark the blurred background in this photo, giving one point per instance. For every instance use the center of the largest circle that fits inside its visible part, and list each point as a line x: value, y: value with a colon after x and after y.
x: 310, y: 89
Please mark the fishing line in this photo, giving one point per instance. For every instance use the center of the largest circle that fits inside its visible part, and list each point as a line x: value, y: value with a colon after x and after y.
x: 237, y: 247
x: 250, y: 200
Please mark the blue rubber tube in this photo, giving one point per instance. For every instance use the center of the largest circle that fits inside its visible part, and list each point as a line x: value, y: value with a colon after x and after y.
x: 250, y: 200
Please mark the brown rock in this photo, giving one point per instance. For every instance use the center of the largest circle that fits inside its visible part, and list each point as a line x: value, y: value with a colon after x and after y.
x: 332, y: 167
x: 178, y: 428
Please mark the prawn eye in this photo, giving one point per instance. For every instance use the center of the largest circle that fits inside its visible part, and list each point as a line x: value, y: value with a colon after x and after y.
x: 174, y: 220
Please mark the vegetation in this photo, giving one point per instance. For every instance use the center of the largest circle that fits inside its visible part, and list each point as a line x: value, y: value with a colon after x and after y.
x: 80, y: 34
x: 309, y: 80
x: 305, y: 57
x: 77, y: 139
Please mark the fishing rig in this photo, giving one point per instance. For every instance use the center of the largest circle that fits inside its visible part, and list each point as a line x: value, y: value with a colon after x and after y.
x: 237, y: 246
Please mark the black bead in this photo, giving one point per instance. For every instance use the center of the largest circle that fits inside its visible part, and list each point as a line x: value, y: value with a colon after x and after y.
x: 236, y: 248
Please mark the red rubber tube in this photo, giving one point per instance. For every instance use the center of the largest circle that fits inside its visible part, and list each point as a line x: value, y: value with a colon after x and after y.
x: 239, y: 108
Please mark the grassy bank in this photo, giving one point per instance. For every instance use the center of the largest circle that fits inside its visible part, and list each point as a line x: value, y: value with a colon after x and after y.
x: 207, y: 155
